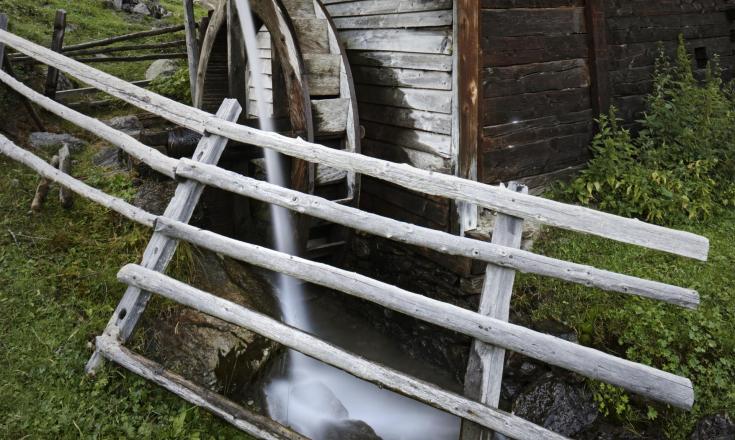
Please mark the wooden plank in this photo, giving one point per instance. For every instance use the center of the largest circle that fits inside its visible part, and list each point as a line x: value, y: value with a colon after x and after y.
x: 546, y: 22
x: 439, y: 145
x: 192, y: 45
x: 545, y: 211
x: 387, y: 21
x: 299, y: 8
x: 439, y: 101
x: 599, y: 58
x: 400, y: 154
x: 374, y: 7
x: 523, y: 261
x: 160, y: 248
x: 469, y: 106
x: 437, y: 41
x: 647, y: 381
x: 3, y: 26
x: 312, y: 35
x: 388, y: 76
x: 409, y: 118
x: 322, y: 74
x: 330, y: 116
x: 134, y: 58
x: 252, y: 423
x: 57, y: 41
x: 483, y: 380
x: 72, y: 93
x: 418, y: 61
x: 65, y: 195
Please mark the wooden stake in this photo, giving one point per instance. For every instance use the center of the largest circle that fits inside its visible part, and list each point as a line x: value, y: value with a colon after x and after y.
x: 57, y: 42
x: 42, y: 189
x: 192, y: 45
x: 65, y: 195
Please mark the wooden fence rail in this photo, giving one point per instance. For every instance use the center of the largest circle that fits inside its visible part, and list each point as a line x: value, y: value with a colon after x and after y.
x: 545, y: 211
x: 489, y: 328
x: 639, y: 378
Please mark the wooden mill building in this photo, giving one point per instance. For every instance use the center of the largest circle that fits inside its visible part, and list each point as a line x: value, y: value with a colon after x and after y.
x: 494, y: 90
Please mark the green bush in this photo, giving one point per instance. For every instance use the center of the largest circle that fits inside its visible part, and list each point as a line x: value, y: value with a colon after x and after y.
x: 680, y: 166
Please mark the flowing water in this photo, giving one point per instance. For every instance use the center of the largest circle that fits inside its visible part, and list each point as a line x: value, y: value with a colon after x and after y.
x: 312, y: 397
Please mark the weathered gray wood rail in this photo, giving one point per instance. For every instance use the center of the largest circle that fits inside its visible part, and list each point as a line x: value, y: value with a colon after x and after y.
x: 648, y: 381
x: 545, y: 211
x: 489, y: 327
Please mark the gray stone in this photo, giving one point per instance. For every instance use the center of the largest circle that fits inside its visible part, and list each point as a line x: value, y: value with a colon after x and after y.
x: 141, y: 9
x: 129, y: 125
x: 153, y: 196
x: 107, y: 157
x: 220, y: 356
x: 564, y: 408
x: 53, y: 141
x: 714, y: 427
x: 349, y: 430
x: 161, y: 68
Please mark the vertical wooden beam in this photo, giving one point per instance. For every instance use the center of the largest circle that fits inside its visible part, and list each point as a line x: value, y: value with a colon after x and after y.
x: 236, y: 58
x: 57, y: 42
x: 467, y: 71
x: 3, y: 26
x: 192, y: 44
x: 599, y: 58
x: 161, y: 248
x: 484, y: 376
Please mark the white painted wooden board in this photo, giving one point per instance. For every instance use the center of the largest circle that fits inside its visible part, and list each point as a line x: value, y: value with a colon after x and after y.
x: 161, y: 248
x: 525, y: 206
x: 495, y: 419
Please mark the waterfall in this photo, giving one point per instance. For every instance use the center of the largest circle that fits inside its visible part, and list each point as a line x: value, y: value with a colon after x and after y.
x: 314, y: 398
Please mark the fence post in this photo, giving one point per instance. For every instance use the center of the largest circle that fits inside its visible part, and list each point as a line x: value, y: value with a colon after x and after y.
x: 484, y: 375
x: 57, y: 42
x: 161, y: 248
x: 192, y: 45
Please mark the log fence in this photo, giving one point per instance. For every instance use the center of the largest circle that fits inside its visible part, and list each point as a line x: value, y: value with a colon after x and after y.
x: 488, y: 327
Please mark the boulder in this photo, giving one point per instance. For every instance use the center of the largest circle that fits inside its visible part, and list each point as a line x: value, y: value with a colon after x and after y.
x: 141, y: 9
x: 714, y: 427
x: 220, y: 356
x: 153, y: 196
x: 129, y: 125
x: 108, y: 157
x: 161, y: 68
x: 51, y: 142
x: 565, y: 408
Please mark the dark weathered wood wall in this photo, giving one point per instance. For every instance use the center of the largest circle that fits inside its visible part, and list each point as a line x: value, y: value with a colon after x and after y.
x: 549, y: 66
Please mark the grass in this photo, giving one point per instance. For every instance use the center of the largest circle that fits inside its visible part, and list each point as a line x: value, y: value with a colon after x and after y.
x: 87, y: 20
x: 697, y: 344
x: 58, y: 289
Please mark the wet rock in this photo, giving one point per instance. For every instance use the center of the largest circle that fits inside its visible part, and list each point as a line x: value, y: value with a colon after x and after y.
x: 220, y: 356
x: 153, y: 196
x: 349, y: 430
x: 714, y: 427
x: 318, y: 395
x: 129, y: 125
x: 108, y: 157
x: 51, y: 142
x: 562, y: 407
x: 161, y: 68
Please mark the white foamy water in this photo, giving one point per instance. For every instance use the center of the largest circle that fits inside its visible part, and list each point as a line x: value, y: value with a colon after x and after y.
x: 314, y: 397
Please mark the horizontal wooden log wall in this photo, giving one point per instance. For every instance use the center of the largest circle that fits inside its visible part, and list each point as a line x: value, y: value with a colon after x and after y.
x: 536, y: 109
x: 400, y: 53
x: 635, y: 28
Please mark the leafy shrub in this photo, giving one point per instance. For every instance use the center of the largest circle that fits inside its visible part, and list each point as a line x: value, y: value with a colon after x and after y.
x: 175, y: 86
x: 680, y: 166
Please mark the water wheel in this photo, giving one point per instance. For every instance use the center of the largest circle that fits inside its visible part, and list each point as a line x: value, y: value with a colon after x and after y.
x: 311, y: 93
